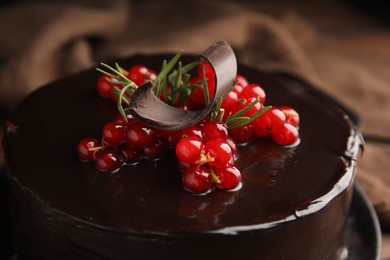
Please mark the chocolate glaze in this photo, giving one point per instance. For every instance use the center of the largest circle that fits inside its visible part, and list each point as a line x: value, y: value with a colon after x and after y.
x: 293, y: 202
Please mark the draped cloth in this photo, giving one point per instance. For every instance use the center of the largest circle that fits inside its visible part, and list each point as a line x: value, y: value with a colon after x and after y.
x: 346, y: 55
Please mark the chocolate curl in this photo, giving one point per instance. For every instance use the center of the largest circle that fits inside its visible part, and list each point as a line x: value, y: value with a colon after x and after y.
x: 152, y: 111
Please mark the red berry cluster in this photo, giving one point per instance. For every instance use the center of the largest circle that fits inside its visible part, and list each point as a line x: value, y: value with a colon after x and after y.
x: 206, y: 156
x: 281, y: 124
x: 137, y: 74
x: 125, y: 143
x: 205, y: 151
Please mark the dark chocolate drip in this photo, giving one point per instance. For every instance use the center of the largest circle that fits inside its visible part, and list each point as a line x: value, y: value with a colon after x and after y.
x: 149, y: 109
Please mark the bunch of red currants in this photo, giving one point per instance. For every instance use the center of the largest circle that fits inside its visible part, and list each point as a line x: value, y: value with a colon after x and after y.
x: 205, y: 151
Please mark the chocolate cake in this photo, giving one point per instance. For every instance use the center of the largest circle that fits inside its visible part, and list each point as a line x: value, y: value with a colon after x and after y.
x: 293, y: 203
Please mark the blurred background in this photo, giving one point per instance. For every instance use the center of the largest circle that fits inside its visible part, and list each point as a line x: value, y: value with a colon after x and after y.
x: 341, y: 47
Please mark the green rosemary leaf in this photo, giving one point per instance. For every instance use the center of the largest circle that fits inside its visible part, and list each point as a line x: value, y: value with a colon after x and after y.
x: 186, y: 79
x: 235, y: 82
x: 106, y: 73
x: 163, y: 86
x: 122, y: 98
x: 188, y: 67
x: 169, y: 66
x: 205, y: 89
x: 159, y: 84
x: 244, y: 110
x: 184, y: 70
x: 119, y: 76
x: 120, y: 73
x: 183, y: 95
x: 178, y: 77
x: 248, y: 119
x: 215, y: 111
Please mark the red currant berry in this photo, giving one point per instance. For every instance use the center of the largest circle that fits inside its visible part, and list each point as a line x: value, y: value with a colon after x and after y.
x: 242, y: 134
x: 108, y: 160
x: 253, y: 91
x: 260, y: 132
x: 197, y: 95
x: 139, y: 135
x: 214, y: 129
x: 129, y: 155
x: 170, y: 137
x: 229, y: 176
x: 183, y: 166
x: 195, y: 130
x: 241, y: 80
x: 205, y: 69
x: 140, y: 73
x: 189, y: 149
x: 238, y: 89
x: 197, y: 179
x: 269, y: 121
x: 113, y: 133
x: 121, y: 121
x: 232, y: 143
x: 287, y: 134
x: 85, y: 149
x: 229, y: 102
x: 104, y: 87
x: 292, y: 116
x: 243, y: 103
x: 218, y: 152
x: 154, y: 151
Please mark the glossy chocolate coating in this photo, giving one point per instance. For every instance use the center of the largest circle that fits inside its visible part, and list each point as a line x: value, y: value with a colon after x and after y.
x: 143, y: 212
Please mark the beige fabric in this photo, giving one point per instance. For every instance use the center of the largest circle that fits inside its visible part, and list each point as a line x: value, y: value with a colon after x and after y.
x: 344, y: 56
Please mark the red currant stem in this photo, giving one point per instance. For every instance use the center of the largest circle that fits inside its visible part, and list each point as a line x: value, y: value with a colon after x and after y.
x: 248, y: 119
x: 203, y: 158
x: 221, y: 113
x: 205, y: 88
x: 94, y: 149
x: 214, y: 177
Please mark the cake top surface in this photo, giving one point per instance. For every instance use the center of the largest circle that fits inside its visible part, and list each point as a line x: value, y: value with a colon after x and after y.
x: 279, y: 183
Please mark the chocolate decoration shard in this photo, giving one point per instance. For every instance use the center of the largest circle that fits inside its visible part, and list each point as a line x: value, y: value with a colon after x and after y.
x: 149, y: 109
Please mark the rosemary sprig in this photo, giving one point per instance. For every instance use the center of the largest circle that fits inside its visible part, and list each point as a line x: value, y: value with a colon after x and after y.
x: 118, y: 76
x: 180, y: 88
x: 237, y: 121
x: 217, y: 113
x: 165, y: 70
x: 178, y: 80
